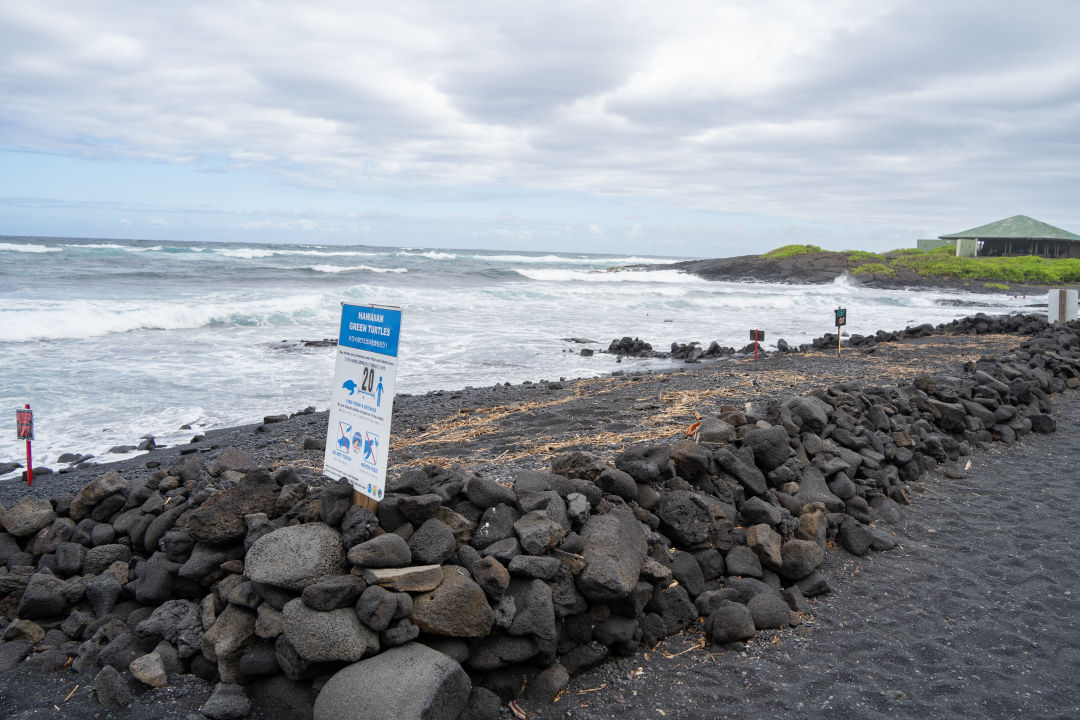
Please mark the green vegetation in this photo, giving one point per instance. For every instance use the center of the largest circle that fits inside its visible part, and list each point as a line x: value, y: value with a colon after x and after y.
x: 791, y: 251
x: 864, y: 256
x: 874, y: 269
x: 1025, y: 269
x: 941, y: 262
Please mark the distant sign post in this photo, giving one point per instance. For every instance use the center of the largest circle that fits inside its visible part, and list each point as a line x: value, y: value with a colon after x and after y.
x: 756, y: 336
x: 358, y: 436
x: 24, y: 430
x: 841, y: 320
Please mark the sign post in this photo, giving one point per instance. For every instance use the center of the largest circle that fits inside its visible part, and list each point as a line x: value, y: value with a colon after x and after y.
x: 358, y: 433
x: 24, y: 430
x: 841, y: 320
x: 756, y: 335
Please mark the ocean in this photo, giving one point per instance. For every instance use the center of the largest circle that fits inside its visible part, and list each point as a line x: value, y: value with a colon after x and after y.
x: 111, y: 340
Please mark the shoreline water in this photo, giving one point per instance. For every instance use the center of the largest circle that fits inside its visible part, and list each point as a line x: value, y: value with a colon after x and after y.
x: 110, y: 342
x: 419, y: 417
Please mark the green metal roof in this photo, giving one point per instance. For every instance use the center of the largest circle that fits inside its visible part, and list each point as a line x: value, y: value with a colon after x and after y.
x: 1018, y: 226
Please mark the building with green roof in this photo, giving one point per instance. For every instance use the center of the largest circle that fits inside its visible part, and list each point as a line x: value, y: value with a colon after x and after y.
x: 1018, y: 235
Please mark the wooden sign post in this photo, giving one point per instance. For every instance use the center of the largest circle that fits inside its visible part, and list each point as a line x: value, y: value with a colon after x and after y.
x: 841, y: 320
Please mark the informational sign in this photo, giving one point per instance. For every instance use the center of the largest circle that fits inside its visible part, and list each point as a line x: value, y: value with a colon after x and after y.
x: 358, y: 436
x: 757, y: 335
x: 24, y: 424
x: 841, y: 316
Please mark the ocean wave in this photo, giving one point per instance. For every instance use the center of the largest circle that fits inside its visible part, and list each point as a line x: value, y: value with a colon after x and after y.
x: 94, y: 318
x: 255, y: 253
x: 644, y: 276
x: 430, y: 254
x: 352, y: 268
x: 96, y: 246
x: 573, y: 259
x: 29, y: 248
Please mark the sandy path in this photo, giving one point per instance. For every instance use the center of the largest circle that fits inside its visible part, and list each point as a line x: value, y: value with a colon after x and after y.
x: 976, y: 615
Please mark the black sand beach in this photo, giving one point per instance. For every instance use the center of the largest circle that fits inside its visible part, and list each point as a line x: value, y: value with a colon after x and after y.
x: 973, y: 615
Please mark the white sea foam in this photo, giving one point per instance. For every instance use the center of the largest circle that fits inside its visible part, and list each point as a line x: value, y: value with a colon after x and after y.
x: 597, y: 276
x: 430, y: 254
x: 28, y: 248
x: 96, y: 246
x: 94, y: 318
x: 350, y: 268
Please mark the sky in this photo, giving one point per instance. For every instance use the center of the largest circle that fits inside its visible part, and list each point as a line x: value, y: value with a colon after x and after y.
x: 676, y: 128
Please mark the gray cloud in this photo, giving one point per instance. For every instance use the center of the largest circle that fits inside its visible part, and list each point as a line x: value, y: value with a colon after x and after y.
x: 899, y: 113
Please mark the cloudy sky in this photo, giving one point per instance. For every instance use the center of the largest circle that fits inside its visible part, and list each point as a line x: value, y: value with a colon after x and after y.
x: 672, y: 128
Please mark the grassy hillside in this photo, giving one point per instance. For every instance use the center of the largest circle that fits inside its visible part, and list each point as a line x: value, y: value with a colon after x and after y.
x: 996, y: 272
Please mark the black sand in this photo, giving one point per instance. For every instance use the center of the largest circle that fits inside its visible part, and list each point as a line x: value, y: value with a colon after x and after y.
x: 974, y: 616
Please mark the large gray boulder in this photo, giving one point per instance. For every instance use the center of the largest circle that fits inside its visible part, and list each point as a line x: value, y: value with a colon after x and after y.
x: 615, y: 547
x: 27, y: 516
x: 411, y: 682
x: 296, y: 556
x: 327, y: 636
x: 95, y: 492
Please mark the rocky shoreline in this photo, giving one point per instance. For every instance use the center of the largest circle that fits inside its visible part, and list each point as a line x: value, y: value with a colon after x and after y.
x: 825, y: 267
x: 590, y: 519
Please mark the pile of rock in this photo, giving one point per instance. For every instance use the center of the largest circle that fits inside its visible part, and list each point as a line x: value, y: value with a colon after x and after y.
x: 465, y: 593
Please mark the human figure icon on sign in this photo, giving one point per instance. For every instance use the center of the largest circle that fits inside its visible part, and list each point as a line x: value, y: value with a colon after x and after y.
x: 378, y: 393
x: 371, y: 446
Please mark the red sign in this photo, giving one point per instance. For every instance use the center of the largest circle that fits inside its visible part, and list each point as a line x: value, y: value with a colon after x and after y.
x: 24, y: 424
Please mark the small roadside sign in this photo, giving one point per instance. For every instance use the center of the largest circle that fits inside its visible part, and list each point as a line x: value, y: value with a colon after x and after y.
x: 841, y: 317
x: 358, y: 434
x: 24, y: 424
x: 24, y: 430
x: 757, y: 336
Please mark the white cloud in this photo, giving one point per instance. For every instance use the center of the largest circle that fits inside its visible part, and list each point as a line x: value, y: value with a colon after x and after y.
x: 839, y: 110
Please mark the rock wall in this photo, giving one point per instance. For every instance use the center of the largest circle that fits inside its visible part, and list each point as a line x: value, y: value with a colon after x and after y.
x: 465, y: 593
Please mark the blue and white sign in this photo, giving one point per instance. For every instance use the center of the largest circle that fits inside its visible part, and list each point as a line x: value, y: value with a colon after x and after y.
x: 358, y: 435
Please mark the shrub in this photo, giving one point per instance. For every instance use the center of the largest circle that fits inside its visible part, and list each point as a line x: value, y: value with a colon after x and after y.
x: 874, y: 270
x: 792, y: 250
x: 864, y: 256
